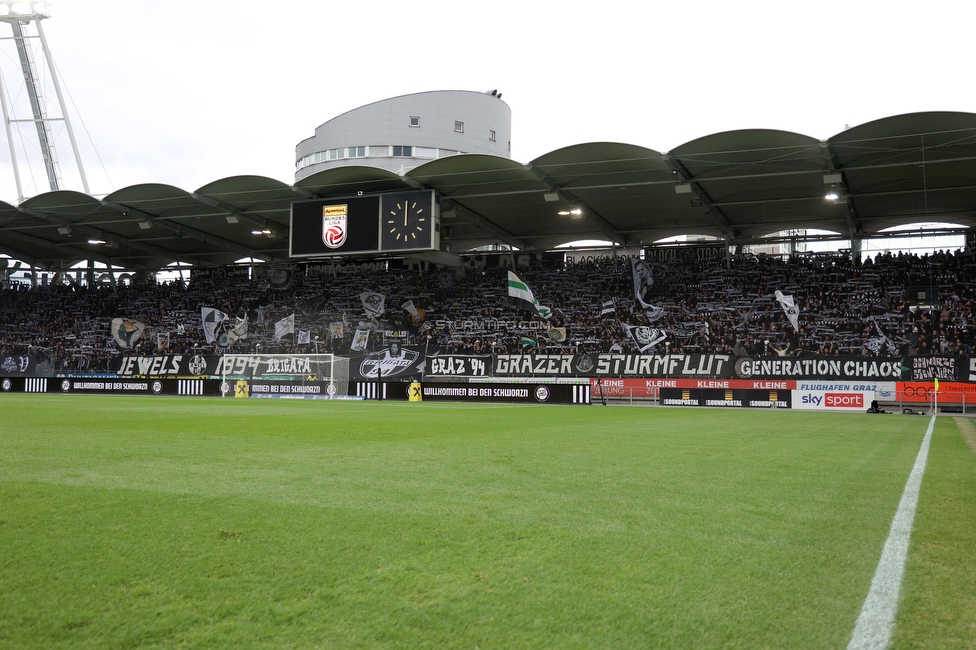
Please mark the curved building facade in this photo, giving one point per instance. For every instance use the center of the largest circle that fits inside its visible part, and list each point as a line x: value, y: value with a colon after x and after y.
x: 404, y: 132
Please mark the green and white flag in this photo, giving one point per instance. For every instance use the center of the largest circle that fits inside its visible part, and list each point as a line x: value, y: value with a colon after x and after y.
x: 528, y: 343
x: 127, y: 331
x: 521, y: 294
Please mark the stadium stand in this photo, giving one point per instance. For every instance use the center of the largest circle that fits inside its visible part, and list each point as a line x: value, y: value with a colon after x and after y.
x: 700, y: 307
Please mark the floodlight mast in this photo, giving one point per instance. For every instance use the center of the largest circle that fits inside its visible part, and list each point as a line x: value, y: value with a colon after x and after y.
x: 12, y: 12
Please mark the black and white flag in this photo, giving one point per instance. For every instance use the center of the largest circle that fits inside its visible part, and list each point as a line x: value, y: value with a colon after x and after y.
x: 644, y: 337
x: 212, y: 319
x: 373, y: 303
x: 881, y: 340
x: 127, y: 331
x: 643, y: 281
x: 285, y: 327
x: 359, y: 340
x: 790, y: 308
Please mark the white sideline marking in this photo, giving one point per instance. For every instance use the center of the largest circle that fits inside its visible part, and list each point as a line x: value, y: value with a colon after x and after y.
x: 877, y: 619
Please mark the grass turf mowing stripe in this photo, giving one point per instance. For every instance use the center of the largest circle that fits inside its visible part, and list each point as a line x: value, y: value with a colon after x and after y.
x: 876, y: 622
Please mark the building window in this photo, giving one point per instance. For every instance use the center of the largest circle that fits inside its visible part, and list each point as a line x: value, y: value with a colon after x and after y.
x: 458, y: 127
x: 414, y: 121
x: 357, y: 152
x: 376, y: 151
x: 424, y: 152
x: 402, y: 151
x: 491, y: 135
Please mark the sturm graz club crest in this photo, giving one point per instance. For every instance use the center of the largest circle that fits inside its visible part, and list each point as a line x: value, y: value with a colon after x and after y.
x: 334, y: 225
x: 197, y: 365
x: 584, y: 364
x: 541, y: 393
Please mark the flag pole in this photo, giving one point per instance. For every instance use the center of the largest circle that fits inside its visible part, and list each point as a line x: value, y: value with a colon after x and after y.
x: 936, y: 396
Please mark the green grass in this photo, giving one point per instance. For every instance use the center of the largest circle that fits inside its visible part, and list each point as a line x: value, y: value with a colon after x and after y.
x: 166, y: 522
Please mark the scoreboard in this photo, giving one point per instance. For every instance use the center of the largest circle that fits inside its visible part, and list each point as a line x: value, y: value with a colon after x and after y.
x: 380, y: 223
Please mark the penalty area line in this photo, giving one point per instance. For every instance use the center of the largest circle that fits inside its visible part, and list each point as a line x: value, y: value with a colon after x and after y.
x: 877, y: 620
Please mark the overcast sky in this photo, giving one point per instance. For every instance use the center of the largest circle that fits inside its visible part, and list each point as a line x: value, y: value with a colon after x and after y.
x: 187, y: 93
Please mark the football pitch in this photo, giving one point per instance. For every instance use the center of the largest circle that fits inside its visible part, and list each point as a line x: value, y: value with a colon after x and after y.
x: 162, y: 522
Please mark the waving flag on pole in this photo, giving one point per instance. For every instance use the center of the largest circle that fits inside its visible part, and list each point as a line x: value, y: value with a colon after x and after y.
x: 212, y: 319
x: 374, y: 304
x: 227, y: 334
x: 522, y: 295
x: 127, y: 331
x: 284, y: 327
x: 790, y: 308
x: 644, y: 337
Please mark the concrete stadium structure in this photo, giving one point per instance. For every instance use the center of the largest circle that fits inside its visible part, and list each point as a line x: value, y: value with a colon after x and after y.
x: 401, y: 133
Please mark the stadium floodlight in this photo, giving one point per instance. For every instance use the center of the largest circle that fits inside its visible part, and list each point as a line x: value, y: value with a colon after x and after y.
x: 832, y: 196
x: 551, y: 196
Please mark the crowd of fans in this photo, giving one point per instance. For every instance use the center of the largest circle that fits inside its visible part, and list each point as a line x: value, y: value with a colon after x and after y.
x: 725, y: 306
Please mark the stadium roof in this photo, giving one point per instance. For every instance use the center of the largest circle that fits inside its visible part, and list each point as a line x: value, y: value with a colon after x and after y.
x: 737, y: 185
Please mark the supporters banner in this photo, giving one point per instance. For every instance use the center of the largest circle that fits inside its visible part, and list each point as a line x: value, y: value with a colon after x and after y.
x: 301, y: 366
x: 823, y: 367
x: 277, y: 277
x: 929, y: 368
x: 17, y: 365
x: 163, y: 365
x: 457, y: 365
x: 686, y: 253
x: 220, y: 274
x: 613, y: 365
x: 393, y: 362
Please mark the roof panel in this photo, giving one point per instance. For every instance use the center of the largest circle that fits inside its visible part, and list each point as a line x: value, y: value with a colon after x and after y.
x: 738, y: 184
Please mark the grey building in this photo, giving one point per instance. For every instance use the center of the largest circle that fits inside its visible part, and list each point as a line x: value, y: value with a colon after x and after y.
x: 404, y: 132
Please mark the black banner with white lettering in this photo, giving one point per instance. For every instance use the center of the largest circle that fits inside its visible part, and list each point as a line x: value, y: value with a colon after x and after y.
x: 405, y: 363
x: 458, y: 365
x: 823, y: 367
x: 929, y: 368
x: 614, y: 365
x: 17, y: 365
